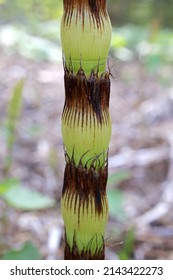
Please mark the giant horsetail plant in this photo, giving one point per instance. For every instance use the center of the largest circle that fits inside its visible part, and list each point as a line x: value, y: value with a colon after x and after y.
x: 86, y: 127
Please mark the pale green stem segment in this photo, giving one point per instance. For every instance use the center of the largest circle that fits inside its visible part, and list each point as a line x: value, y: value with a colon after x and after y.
x: 84, y: 42
x: 83, y: 224
x: 86, y: 124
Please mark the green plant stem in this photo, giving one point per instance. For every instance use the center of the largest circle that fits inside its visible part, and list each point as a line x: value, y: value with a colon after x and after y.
x: 86, y: 127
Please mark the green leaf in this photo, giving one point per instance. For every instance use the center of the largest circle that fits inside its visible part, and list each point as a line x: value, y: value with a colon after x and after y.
x: 118, y: 40
x: 26, y: 199
x: 127, y: 250
x: 14, y: 106
x: 28, y: 252
x: 115, y: 200
x: 118, y: 177
x: 7, y: 184
x: 13, y: 112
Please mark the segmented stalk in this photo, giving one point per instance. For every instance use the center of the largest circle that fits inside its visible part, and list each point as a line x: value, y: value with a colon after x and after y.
x: 86, y: 126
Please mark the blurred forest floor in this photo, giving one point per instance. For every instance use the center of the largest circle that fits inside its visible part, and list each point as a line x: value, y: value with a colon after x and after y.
x: 140, y: 188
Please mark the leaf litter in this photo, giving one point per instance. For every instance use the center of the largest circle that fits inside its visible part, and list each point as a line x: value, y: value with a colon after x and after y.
x: 141, y: 146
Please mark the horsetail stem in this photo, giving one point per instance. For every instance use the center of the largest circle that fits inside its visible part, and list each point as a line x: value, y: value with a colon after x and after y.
x: 85, y: 34
x: 86, y: 126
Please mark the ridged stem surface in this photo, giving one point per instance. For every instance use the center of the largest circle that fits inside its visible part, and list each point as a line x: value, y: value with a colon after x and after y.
x: 86, y: 126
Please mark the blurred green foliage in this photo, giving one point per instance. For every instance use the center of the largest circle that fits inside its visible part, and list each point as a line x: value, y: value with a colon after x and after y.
x: 28, y: 251
x: 132, y: 42
x: 115, y: 196
x: 143, y: 12
x: 13, y: 113
x: 141, y: 29
x: 126, y: 251
x: 11, y: 190
x: 27, y: 199
x: 137, y: 12
x: 35, y: 10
